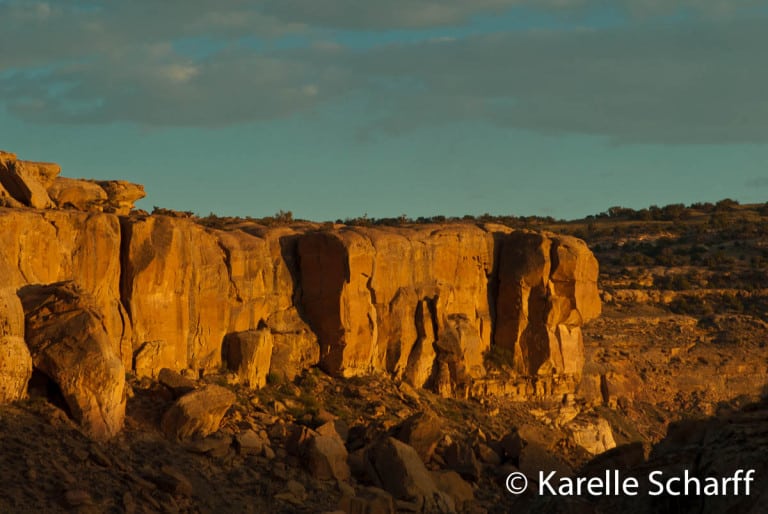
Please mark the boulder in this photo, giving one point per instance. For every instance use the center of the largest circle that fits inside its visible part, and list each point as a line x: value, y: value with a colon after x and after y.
x: 326, y: 458
x: 398, y: 469
x: 454, y: 486
x: 460, y: 457
x: 81, y: 195
x: 249, y: 354
x: 594, y: 434
x: 422, y: 432
x: 293, y: 351
x: 368, y: 500
x: 178, y: 384
x: 121, y: 195
x: 69, y: 344
x: 27, y: 181
x: 198, y: 413
x: 250, y: 443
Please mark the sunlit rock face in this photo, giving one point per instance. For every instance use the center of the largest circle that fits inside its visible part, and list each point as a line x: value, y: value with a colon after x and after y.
x: 547, y: 289
x: 406, y: 301
x: 48, y: 246
x: 425, y: 303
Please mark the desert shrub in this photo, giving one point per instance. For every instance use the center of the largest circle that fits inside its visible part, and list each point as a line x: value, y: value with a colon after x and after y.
x: 691, y: 305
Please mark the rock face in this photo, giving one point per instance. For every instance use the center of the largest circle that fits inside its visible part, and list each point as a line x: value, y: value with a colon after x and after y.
x: 223, y: 283
x: 249, y: 354
x: 424, y: 304
x: 175, y: 286
x: 430, y: 322
x: 547, y: 288
x: 372, y: 312
x: 70, y: 345
x: 15, y: 360
x: 45, y: 247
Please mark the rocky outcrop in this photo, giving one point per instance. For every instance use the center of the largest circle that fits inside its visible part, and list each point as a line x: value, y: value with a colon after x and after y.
x: 27, y: 181
x: 430, y: 322
x: 37, y: 185
x: 82, y: 195
x: 263, y: 272
x: 121, y: 195
x: 424, y: 304
x: 547, y: 289
x: 249, y: 354
x: 371, y: 311
x: 70, y: 345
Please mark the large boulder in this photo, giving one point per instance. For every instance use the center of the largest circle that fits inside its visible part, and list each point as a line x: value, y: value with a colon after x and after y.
x: 82, y: 195
x: 198, y: 413
x: 121, y: 195
x: 594, y: 434
x: 422, y: 432
x: 27, y: 181
x: 398, y: 469
x: 69, y: 344
x: 326, y: 457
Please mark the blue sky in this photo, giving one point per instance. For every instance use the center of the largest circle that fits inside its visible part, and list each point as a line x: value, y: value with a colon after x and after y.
x: 339, y: 108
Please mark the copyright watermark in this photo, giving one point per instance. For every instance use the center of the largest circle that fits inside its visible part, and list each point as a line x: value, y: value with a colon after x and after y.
x: 656, y: 483
x: 516, y: 483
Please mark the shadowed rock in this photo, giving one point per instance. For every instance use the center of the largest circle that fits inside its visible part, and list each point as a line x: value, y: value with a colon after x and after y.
x: 198, y: 413
x: 70, y: 345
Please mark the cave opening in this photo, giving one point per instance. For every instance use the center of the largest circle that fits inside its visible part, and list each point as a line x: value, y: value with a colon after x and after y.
x: 42, y: 386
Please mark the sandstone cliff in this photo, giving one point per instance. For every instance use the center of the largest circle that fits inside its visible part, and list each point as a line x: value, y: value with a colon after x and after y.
x: 424, y: 304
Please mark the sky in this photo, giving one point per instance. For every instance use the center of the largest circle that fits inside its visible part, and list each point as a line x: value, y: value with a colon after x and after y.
x: 335, y: 109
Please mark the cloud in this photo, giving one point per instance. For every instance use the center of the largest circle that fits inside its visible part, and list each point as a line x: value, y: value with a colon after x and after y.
x: 696, y: 81
x: 141, y: 86
x: 651, y: 84
x: 357, y: 14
